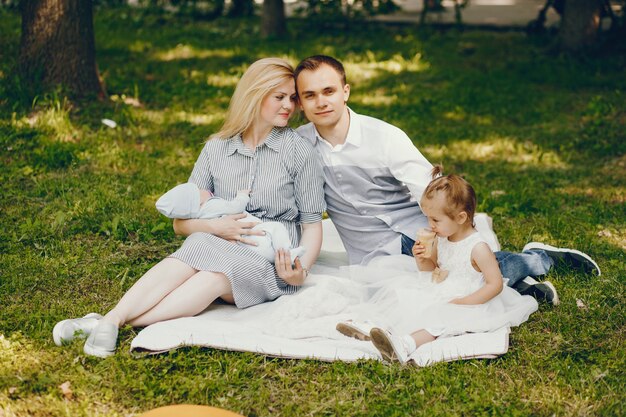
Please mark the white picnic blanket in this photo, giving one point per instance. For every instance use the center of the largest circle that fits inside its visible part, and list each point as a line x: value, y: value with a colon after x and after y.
x: 303, y: 325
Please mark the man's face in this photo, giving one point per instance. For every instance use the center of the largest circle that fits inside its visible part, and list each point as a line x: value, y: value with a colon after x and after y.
x: 322, y: 95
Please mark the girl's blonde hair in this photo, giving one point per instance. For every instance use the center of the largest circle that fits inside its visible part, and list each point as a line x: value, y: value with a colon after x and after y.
x: 255, y: 84
x: 460, y: 195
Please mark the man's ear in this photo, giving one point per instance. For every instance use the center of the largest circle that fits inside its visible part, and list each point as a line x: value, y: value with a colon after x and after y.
x: 461, y: 218
x: 346, y: 93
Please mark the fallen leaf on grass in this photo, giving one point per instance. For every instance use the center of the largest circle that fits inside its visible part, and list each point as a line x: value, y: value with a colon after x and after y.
x: 580, y: 304
x: 66, y: 391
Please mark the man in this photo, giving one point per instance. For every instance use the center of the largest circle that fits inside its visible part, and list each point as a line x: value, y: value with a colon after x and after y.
x: 375, y: 177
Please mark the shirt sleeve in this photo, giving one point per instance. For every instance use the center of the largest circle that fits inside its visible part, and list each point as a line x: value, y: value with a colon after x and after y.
x: 408, y: 165
x: 201, y: 174
x: 309, y: 184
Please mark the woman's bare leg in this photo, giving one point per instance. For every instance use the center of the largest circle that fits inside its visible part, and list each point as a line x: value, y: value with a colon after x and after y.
x: 189, y: 299
x: 152, y: 287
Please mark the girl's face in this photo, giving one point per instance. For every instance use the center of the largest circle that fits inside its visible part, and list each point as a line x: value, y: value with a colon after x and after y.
x: 438, y: 220
x: 278, y: 106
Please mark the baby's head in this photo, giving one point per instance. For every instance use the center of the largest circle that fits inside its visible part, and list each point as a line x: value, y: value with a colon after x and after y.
x: 449, y: 202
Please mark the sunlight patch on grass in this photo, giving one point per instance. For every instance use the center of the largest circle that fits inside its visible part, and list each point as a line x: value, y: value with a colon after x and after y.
x: 35, y: 405
x: 222, y: 80
x: 182, y: 52
x: 574, y: 402
x: 376, y: 98
x: 498, y: 148
x: 108, y: 157
x: 615, y: 236
x: 197, y: 118
x: 167, y: 117
x: 372, y: 67
x: 615, y: 168
x: 33, y: 384
x: 16, y: 355
x: 139, y: 46
x: 459, y: 115
x: 613, y: 195
x: 53, y: 118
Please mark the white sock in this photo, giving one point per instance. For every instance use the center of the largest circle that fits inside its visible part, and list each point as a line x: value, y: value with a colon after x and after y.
x: 409, y: 343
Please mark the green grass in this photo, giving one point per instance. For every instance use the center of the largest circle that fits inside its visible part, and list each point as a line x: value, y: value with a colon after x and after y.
x: 542, y: 138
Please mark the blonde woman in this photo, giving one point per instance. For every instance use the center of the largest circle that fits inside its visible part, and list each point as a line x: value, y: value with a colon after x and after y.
x: 254, y: 150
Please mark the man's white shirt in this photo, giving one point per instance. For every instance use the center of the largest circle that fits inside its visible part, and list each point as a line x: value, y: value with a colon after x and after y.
x: 373, y: 184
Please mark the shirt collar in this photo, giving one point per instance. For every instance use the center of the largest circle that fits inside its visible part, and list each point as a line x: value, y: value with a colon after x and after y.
x: 354, y: 136
x: 235, y: 144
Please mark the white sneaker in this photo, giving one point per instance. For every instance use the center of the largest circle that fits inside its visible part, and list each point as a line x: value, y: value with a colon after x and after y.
x: 67, y: 330
x: 357, y: 329
x: 102, y: 340
x: 574, y: 257
x: 391, y: 347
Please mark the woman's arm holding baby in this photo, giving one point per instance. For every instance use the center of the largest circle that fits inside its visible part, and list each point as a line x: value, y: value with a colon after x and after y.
x: 312, y: 241
x: 483, y: 257
x: 227, y: 227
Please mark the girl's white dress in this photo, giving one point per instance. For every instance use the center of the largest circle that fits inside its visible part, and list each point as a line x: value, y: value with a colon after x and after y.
x: 411, y: 301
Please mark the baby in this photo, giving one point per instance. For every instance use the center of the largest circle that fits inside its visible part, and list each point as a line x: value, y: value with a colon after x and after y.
x: 187, y: 201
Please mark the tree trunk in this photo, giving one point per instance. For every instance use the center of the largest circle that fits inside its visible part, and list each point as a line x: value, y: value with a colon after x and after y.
x: 273, y: 22
x: 58, y: 45
x: 579, y: 24
x: 241, y: 8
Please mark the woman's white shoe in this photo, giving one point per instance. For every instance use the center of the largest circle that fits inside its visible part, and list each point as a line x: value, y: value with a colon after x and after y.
x: 102, y: 340
x: 67, y: 330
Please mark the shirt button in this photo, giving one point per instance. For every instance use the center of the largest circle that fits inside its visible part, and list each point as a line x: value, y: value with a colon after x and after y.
x: 396, y: 228
x: 364, y: 212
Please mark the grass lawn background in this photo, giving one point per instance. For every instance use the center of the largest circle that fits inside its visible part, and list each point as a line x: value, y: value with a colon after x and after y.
x: 542, y: 138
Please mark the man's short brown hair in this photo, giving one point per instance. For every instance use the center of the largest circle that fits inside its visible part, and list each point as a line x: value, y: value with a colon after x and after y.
x: 314, y: 62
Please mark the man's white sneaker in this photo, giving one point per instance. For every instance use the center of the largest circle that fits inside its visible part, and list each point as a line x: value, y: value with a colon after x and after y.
x: 391, y: 347
x: 357, y: 329
x: 67, y: 330
x: 102, y: 340
x: 574, y: 257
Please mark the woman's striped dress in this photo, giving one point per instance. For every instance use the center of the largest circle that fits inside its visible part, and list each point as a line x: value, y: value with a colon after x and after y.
x: 285, y: 178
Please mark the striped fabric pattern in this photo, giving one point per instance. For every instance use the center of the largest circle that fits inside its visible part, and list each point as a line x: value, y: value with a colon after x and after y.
x: 285, y: 178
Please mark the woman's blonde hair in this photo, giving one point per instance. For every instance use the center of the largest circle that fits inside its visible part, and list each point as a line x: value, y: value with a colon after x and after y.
x: 255, y: 84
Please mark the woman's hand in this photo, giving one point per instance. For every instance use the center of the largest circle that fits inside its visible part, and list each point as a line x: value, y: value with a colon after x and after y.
x: 227, y: 227
x: 230, y: 228
x: 293, y: 276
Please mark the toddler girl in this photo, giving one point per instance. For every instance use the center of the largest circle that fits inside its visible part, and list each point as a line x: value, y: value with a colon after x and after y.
x: 468, y: 284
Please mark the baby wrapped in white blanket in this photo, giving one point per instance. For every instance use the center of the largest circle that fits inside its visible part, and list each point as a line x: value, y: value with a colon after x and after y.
x: 185, y: 201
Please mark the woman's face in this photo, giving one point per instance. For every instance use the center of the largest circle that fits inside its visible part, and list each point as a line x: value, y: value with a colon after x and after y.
x: 278, y: 106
